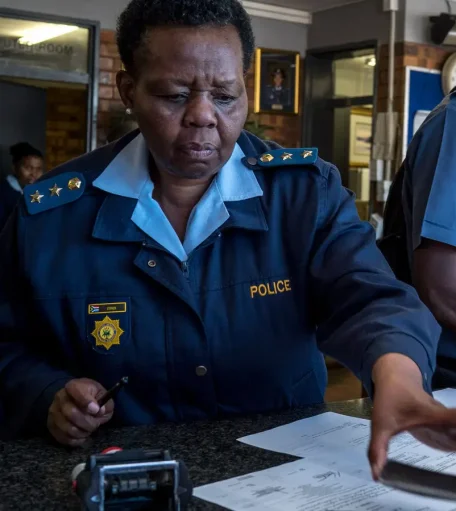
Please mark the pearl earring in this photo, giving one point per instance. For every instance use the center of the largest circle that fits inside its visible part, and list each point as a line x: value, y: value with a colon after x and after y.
x: 129, y: 111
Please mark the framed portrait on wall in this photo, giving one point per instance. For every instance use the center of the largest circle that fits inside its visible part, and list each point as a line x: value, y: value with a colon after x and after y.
x: 360, y: 137
x: 277, y: 81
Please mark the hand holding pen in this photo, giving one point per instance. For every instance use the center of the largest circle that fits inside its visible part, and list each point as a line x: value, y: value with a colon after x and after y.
x: 112, y: 393
x: 80, y: 409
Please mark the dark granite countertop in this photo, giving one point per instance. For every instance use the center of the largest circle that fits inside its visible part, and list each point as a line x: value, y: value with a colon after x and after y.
x: 35, y: 474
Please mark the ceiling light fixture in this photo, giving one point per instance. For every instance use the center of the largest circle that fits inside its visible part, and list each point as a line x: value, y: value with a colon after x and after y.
x: 371, y: 61
x: 276, y: 12
x: 45, y: 33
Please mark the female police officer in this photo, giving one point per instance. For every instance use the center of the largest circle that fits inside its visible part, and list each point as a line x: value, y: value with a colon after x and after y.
x: 199, y: 261
x: 27, y: 168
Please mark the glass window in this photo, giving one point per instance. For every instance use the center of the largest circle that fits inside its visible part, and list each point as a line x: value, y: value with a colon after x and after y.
x: 354, y: 77
x: 44, y: 45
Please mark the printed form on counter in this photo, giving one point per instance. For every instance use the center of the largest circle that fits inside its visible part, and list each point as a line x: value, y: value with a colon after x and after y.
x: 334, y: 472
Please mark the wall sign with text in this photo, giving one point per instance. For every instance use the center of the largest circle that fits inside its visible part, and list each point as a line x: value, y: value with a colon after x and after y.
x: 45, y: 45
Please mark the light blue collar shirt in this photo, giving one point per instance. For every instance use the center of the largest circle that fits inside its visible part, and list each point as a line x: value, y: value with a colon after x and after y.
x: 14, y: 183
x: 128, y: 176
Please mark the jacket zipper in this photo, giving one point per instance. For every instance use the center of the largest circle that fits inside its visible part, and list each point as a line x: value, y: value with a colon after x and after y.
x: 185, y: 265
x: 185, y: 269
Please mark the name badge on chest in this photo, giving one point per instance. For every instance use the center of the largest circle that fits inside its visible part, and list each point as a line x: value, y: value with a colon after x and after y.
x: 108, y: 325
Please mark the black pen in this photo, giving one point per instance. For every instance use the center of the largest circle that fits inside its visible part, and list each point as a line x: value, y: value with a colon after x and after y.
x: 111, y: 393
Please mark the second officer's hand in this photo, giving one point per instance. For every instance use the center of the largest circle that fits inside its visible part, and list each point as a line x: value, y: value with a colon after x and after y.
x: 401, y: 404
x: 74, y: 414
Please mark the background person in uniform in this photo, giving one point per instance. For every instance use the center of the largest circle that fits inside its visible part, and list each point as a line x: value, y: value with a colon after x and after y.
x: 429, y: 191
x: 199, y: 261
x: 28, y: 166
x: 277, y: 92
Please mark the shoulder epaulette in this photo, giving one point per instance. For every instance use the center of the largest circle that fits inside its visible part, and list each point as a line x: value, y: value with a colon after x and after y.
x: 51, y: 193
x: 282, y: 157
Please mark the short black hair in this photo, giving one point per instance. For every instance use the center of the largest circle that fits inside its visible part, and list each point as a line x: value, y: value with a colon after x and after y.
x: 21, y: 150
x: 142, y: 15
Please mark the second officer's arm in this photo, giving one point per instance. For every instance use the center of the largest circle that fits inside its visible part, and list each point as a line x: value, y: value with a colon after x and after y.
x: 362, y: 311
x: 433, y: 189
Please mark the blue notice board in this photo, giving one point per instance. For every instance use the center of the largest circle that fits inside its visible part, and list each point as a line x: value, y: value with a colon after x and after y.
x: 423, y: 92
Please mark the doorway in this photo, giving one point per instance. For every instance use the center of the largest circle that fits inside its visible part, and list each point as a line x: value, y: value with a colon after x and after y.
x: 23, y: 115
x: 51, y: 116
x: 48, y: 85
x: 339, y: 112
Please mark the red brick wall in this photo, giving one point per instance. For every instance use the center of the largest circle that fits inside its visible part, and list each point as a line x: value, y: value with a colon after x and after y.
x: 399, y: 84
x: 286, y: 130
x: 109, y: 99
x: 407, y: 54
x: 66, y: 125
x: 427, y: 56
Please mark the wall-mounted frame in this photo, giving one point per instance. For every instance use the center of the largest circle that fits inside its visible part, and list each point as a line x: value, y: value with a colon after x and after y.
x: 277, y: 81
x: 360, y: 137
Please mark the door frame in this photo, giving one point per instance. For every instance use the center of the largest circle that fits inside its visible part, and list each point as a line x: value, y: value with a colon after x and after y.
x: 92, y: 79
x: 348, y: 50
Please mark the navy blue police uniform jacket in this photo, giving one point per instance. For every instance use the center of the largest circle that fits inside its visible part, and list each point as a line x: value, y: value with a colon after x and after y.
x: 8, y: 201
x: 240, y: 328
x: 429, y: 189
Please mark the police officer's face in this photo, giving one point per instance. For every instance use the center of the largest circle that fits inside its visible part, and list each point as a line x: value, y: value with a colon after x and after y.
x: 278, y: 80
x: 188, y: 95
x: 29, y: 170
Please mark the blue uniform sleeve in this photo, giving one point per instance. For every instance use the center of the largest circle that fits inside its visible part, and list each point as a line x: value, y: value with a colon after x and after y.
x: 363, y: 312
x: 432, y: 180
x: 29, y: 372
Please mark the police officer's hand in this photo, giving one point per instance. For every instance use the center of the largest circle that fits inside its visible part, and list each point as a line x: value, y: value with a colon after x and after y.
x: 74, y: 414
x: 401, y: 404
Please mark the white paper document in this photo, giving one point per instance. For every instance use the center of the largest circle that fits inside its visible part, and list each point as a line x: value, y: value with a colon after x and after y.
x: 447, y: 397
x: 334, y: 473
x: 419, y: 118
x: 304, y: 486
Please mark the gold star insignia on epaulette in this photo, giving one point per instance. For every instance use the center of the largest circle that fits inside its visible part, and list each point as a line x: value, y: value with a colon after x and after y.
x: 55, y: 191
x: 266, y: 158
x: 74, y: 183
x: 286, y: 156
x: 36, y: 197
x: 306, y: 154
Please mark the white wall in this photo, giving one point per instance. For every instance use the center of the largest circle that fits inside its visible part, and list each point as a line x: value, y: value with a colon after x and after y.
x: 105, y: 11
x: 417, y: 18
x: 269, y: 33
x: 366, y: 20
x: 280, y: 35
x: 353, y: 23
